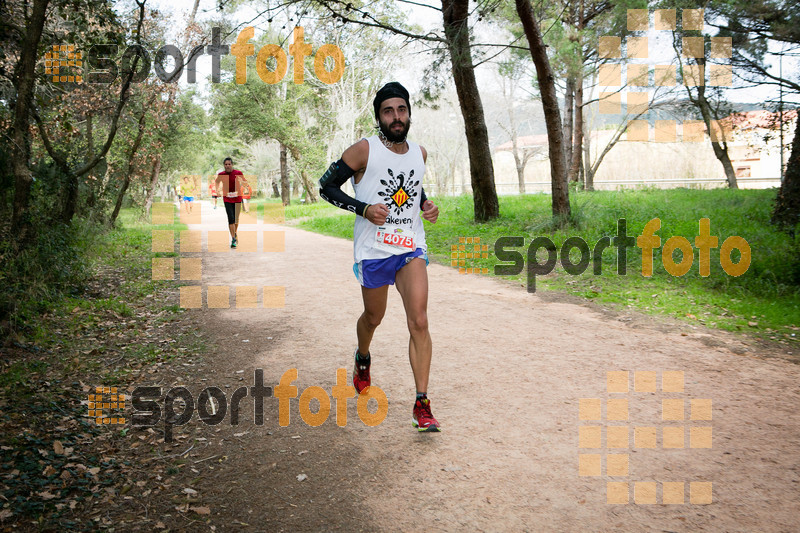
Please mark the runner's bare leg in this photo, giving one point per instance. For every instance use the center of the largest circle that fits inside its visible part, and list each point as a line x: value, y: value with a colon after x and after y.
x: 370, y: 319
x: 412, y: 284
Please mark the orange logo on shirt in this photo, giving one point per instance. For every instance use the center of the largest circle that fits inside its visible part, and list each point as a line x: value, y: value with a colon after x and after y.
x: 400, y: 197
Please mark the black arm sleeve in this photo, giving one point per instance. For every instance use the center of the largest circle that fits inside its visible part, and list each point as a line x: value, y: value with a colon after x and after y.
x: 422, y: 197
x: 330, y: 188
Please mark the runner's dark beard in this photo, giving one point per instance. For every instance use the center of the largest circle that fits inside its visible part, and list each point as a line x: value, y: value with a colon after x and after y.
x: 395, y: 137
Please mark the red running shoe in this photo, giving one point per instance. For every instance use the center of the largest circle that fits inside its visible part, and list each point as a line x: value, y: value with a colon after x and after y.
x: 361, y: 379
x: 423, y: 419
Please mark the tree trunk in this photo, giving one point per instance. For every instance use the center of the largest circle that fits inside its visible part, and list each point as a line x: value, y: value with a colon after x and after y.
x: 787, y: 205
x: 70, y: 195
x: 311, y: 195
x: 284, y: 177
x: 92, y: 199
x: 151, y: 192
x: 24, y: 82
x: 520, y: 164
x: 569, y: 106
x: 129, y: 172
x: 720, y: 148
x: 518, y: 159
x: 455, y: 14
x: 576, y: 148
x: 552, y: 114
x: 577, y: 145
x: 588, y: 171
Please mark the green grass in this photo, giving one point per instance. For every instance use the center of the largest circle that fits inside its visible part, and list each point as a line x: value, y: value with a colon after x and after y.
x: 764, y: 300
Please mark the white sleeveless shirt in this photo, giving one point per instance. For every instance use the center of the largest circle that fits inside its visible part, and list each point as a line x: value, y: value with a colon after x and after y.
x: 394, y: 180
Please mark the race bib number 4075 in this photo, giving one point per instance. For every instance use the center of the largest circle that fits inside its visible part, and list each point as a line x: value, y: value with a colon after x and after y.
x: 394, y: 239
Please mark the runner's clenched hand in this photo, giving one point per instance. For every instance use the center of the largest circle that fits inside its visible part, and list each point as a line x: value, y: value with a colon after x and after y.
x: 430, y: 211
x: 377, y: 213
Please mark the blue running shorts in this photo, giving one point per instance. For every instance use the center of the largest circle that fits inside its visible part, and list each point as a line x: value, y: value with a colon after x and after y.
x: 374, y: 273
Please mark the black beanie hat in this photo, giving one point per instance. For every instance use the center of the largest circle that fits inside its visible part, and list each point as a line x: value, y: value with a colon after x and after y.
x: 390, y: 90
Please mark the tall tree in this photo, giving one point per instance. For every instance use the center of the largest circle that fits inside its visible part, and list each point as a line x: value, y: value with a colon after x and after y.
x: 24, y: 81
x: 456, y: 28
x: 61, y: 152
x: 456, y: 38
x: 753, y: 25
x: 552, y: 114
x: 708, y: 101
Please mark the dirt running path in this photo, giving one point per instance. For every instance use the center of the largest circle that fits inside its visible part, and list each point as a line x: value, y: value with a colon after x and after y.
x: 508, y: 371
